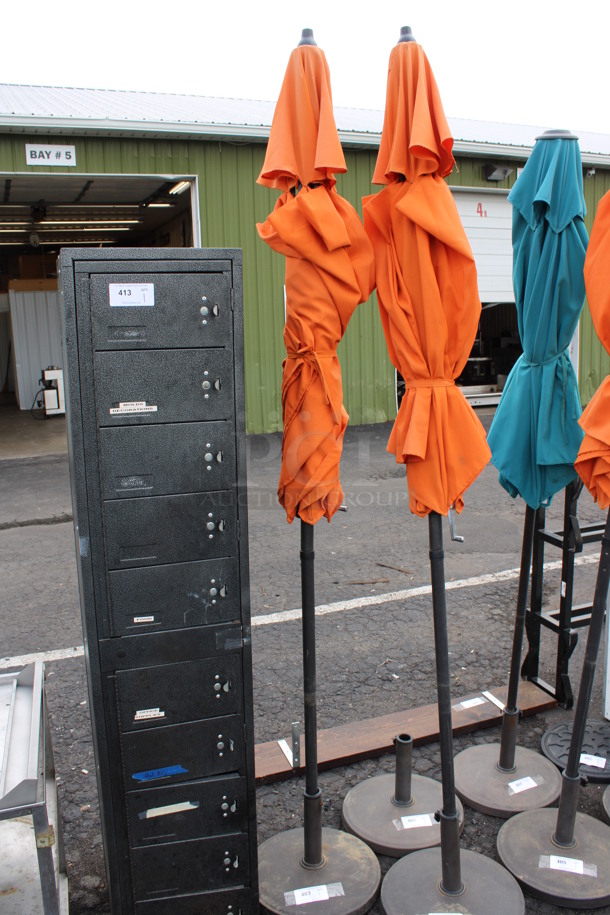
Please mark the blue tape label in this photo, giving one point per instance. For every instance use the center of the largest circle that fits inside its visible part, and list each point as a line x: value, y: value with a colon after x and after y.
x: 151, y: 774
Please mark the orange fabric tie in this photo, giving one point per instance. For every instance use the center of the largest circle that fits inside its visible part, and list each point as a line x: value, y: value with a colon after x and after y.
x: 429, y: 383
x: 312, y: 357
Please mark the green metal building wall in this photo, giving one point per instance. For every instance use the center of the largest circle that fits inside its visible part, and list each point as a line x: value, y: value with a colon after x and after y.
x: 231, y: 203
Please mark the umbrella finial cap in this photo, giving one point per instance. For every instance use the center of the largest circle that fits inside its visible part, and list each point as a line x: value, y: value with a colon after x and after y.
x: 557, y: 134
x: 307, y: 37
x: 406, y: 34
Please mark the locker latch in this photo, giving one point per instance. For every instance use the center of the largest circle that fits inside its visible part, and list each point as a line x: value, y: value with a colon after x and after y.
x: 221, y: 746
x: 214, y: 525
x: 230, y: 862
x: 226, y: 807
x: 221, y: 687
x: 206, y: 310
x: 207, y: 385
x: 209, y: 456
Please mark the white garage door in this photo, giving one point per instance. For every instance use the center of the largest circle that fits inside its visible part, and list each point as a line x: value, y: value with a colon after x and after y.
x: 487, y: 219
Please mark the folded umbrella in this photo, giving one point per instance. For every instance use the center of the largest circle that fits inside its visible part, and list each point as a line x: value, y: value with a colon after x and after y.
x: 329, y: 272
x: 593, y: 460
x: 428, y: 299
x: 535, y: 436
x: 426, y: 287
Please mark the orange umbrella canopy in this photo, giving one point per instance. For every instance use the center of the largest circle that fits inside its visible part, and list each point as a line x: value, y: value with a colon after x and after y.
x: 329, y: 271
x: 593, y: 460
x: 427, y: 288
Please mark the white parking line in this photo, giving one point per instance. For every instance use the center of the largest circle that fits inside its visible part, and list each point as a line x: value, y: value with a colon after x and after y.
x: 60, y: 654
x: 286, y: 616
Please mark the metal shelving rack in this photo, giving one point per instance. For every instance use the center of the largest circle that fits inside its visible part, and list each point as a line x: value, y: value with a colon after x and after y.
x: 28, y: 789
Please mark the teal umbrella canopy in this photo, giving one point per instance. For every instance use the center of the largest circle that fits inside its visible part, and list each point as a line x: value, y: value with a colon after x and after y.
x: 535, y: 436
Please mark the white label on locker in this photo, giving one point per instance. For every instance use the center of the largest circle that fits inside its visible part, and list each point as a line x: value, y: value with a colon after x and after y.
x: 143, y: 619
x: 168, y: 809
x: 589, y: 760
x: 133, y: 406
x: 145, y: 713
x: 131, y: 295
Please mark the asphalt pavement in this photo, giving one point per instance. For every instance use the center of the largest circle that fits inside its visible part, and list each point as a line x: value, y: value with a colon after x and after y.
x: 375, y: 644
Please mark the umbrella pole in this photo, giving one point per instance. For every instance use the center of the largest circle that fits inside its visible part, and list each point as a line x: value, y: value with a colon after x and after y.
x: 506, y: 779
x: 312, y: 855
x: 330, y: 870
x: 566, y: 816
x: 510, y: 715
x: 451, y: 881
x: 469, y: 881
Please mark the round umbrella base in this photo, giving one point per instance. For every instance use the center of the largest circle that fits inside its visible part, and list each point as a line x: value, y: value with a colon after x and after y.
x: 555, y: 745
x: 534, y: 782
x: 346, y: 883
x: 412, y: 886
x: 391, y: 829
x: 606, y: 802
x: 578, y: 876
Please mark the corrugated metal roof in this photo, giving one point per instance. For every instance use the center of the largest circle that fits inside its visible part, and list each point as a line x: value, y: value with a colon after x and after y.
x: 37, y: 109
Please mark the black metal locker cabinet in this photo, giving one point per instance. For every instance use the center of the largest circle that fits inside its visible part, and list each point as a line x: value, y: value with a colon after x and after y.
x: 154, y: 358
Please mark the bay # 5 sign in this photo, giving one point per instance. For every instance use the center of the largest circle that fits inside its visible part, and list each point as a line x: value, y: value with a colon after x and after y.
x: 41, y: 154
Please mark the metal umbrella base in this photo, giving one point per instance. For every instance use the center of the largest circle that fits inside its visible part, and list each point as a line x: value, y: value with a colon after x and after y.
x: 346, y: 883
x: 555, y: 745
x: 576, y: 875
x: 480, y: 782
x: 562, y: 855
x: 371, y: 813
x: 606, y: 802
x: 412, y: 886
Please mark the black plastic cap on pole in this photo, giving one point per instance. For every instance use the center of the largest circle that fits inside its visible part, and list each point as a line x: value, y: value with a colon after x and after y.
x: 307, y: 37
x: 406, y: 34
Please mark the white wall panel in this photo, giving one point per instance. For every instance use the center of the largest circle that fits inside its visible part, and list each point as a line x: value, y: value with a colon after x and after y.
x: 36, y: 338
x: 487, y: 218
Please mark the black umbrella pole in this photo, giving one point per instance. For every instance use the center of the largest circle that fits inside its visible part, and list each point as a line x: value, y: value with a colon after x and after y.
x: 510, y: 715
x: 451, y: 881
x: 566, y: 815
x: 312, y: 856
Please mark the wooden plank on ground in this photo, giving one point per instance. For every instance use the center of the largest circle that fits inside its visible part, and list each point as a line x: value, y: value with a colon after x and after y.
x: 371, y: 737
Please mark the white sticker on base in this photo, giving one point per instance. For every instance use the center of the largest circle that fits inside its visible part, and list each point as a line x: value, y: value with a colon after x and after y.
x: 307, y: 894
x: 417, y: 821
x: 129, y: 295
x: 568, y: 865
x: 143, y: 619
x: 133, y: 406
x: 589, y: 760
x: 524, y: 784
